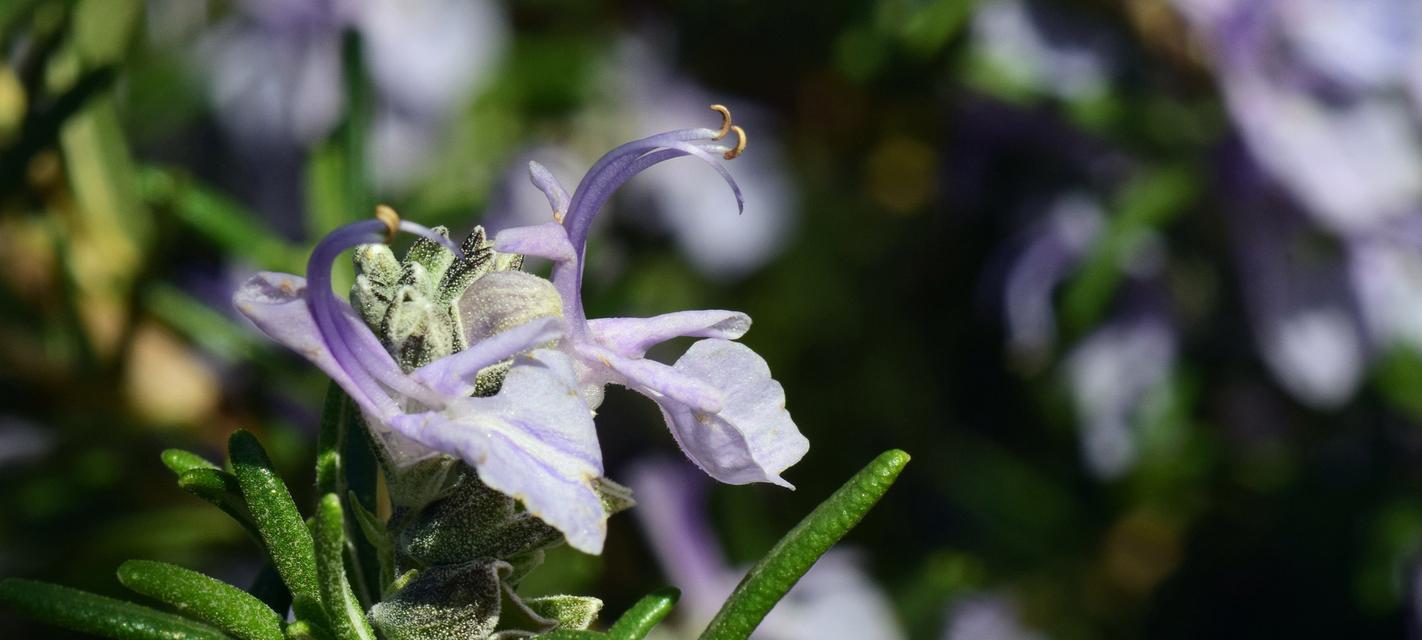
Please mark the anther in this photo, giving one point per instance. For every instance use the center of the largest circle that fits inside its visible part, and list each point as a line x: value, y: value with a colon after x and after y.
x: 391, y: 219
x: 725, y: 120
x: 740, y: 144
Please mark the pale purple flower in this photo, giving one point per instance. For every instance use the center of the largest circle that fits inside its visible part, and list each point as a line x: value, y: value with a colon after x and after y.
x: 275, y: 71
x: 1032, y: 46
x: 719, y: 400
x: 1326, y: 95
x: 1111, y: 373
x: 1304, y: 316
x: 534, y: 440
x: 987, y: 617
x: 1051, y: 251
x: 1385, y: 271
x: 835, y: 600
x: 22, y: 441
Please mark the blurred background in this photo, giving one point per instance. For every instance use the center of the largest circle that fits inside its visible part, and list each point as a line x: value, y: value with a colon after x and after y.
x: 1138, y: 283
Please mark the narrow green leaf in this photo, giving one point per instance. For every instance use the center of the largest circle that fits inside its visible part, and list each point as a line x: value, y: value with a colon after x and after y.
x: 383, y: 548
x: 287, y: 539
x: 179, y: 461
x: 209, y: 600
x: 195, y: 320
x: 217, y: 218
x: 303, y: 630
x: 345, y: 466
x: 221, y: 490
x: 638, y: 621
x: 362, y: 472
x: 330, y: 474
x: 568, y: 634
x: 89, y: 613
x: 771, y: 578
x: 345, y: 613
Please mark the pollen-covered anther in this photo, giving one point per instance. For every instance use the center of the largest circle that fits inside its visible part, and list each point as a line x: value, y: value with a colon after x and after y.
x: 391, y: 219
x: 740, y: 144
x: 725, y: 120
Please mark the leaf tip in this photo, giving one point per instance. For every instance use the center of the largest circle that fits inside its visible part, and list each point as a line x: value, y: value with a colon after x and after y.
x: 179, y: 461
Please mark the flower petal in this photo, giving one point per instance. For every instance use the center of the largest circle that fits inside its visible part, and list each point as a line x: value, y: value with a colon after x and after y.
x: 548, y: 240
x: 752, y: 439
x: 454, y: 375
x: 648, y: 377
x: 534, y: 441
x: 276, y: 304
x: 632, y: 337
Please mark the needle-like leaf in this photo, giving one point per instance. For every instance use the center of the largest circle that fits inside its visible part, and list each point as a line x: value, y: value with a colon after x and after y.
x: 771, y: 578
x: 347, y: 619
x: 283, y: 530
x: 89, y: 613
x: 217, y: 603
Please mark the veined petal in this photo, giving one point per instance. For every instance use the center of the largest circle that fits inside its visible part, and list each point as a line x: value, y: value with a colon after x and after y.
x: 534, y: 441
x: 632, y: 337
x: 652, y: 378
x: 752, y: 439
x: 276, y: 304
x: 453, y: 375
x: 548, y: 240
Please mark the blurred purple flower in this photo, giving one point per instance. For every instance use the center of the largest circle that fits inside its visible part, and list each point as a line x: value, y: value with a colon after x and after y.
x: 833, y: 601
x: 22, y: 441
x: 1301, y: 305
x: 1385, y: 271
x: 719, y: 400
x: 534, y: 440
x: 987, y: 617
x: 1050, y: 252
x: 276, y: 70
x: 1326, y: 96
x: 1110, y: 374
x: 1030, y: 45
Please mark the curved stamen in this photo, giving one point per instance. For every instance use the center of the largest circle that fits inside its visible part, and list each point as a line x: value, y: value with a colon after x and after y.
x: 595, y: 191
x: 353, y: 347
x: 740, y: 144
x: 725, y: 121
x: 578, y: 224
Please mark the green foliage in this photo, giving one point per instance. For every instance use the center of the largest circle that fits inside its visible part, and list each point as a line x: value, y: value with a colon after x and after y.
x: 180, y: 461
x: 638, y: 621
x: 346, y: 616
x: 217, y: 603
x: 771, y: 578
x: 569, y: 612
x: 221, y: 490
x: 281, y: 526
x: 442, y: 602
x: 106, y: 617
x: 217, y: 218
